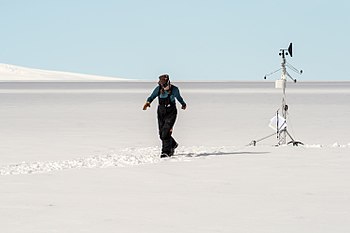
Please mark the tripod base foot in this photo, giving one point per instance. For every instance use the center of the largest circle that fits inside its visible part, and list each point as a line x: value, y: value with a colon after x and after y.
x: 295, y: 143
x: 252, y: 143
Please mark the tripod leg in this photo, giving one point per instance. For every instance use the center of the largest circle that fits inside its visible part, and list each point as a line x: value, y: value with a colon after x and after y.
x: 289, y: 135
x: 254, y: 142
x: 295, y: 143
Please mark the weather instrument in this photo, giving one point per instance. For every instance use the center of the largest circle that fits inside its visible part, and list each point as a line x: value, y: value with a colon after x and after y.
x: 279, y: 121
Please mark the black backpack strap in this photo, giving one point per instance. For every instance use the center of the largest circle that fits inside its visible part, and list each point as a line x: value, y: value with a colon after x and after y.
x: 166, y: 101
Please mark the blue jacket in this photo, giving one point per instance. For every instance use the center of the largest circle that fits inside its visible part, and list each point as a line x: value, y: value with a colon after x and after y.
x: 175, y: 93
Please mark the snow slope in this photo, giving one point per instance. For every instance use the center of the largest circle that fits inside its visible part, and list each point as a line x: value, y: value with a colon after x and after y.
x: 18, y: 73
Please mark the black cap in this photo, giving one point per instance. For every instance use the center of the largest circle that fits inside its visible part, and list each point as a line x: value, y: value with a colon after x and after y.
x: 165, y: 76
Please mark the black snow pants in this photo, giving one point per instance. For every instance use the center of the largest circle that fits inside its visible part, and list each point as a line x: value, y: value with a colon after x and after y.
x: 166, y: 121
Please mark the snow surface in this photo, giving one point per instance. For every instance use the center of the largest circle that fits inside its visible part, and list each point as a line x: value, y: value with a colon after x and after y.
x: 84, y: 157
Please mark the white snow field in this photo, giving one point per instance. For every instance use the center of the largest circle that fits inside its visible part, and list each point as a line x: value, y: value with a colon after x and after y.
x: 84, y: 157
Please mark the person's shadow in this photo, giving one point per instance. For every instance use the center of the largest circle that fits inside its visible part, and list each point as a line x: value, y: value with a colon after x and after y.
x: 203, y: 154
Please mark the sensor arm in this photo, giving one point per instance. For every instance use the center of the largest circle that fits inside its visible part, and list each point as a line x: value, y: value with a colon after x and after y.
x: 294, y: 69
x: 272, y: 73
x: 289, y: 76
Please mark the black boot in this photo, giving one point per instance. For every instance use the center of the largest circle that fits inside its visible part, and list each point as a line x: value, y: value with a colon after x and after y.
x: 172, y: 152
x: 165, y: 155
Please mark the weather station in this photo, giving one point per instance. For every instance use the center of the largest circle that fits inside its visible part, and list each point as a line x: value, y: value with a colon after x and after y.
x: 279, y: 121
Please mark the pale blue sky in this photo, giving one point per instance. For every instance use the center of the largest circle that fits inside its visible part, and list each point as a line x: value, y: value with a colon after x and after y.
x: 189, y: 39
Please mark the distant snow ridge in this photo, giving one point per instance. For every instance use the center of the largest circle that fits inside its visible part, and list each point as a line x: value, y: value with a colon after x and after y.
x: 17, y: 73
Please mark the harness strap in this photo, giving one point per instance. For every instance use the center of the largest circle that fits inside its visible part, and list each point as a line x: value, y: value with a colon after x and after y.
x: 165, y: 101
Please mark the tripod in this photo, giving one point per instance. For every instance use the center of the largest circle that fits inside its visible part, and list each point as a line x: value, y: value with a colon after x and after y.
x: 281, y: 127
x: 281, y: 133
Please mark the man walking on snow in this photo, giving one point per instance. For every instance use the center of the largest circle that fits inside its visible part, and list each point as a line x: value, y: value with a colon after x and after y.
x: 167, y: 112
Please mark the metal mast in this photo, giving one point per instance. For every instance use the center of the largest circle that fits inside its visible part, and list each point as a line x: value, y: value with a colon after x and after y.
x: 282, y: 136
